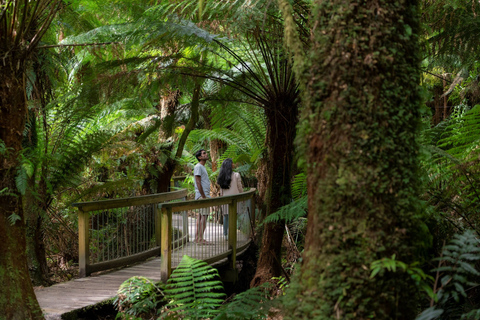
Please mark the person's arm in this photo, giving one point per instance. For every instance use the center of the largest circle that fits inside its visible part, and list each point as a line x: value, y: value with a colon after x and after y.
x: 198, y: 180
x: 239, y: 182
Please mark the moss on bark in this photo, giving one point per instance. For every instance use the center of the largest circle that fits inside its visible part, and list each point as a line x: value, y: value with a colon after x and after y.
x: 359, y: 132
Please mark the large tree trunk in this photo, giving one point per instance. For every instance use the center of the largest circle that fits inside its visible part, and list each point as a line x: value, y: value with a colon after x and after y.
x: 17, y: 299
x: 35, y: 207
x: 359, y: 128
x: 282, y: 121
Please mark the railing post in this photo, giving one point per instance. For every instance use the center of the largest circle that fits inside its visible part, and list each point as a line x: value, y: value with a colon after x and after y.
x: 83, y: 242
x: 232, y: 232
x: 252, y: 215
x: 166, y: 244
x: 158, y: 226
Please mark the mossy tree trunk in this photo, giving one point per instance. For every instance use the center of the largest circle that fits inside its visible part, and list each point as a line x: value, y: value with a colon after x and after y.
x: 359, y: 130
x: 22, y: 26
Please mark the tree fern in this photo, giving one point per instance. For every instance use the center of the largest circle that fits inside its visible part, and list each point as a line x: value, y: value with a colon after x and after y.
x: 193, y: 289
x: 454, y: 29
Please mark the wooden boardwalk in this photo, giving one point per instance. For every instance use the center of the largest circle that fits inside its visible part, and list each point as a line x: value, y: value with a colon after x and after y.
x: 72, y: 296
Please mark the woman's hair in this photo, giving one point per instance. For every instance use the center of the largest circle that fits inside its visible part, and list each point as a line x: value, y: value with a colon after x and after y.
x: 225, y: 175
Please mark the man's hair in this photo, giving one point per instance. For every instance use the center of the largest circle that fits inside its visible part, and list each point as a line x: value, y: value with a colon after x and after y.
x: 198, y: 154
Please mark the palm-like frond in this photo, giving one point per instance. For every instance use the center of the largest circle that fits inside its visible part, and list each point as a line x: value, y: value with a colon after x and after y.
x: 241, y: 129
x: 455, y: 29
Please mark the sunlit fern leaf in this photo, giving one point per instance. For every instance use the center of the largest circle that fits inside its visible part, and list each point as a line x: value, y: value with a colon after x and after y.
x: 73, y: 155
x: 462, y: 134
x: 299, y: 186
x: 194, y: 290
x: 290, y: 212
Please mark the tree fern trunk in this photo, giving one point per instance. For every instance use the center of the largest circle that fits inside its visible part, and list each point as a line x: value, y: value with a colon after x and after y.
x: 359, y: 129
x: 282, y: 121
x: 17, y: 300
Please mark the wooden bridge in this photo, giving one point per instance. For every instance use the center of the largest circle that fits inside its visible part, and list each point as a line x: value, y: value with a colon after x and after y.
x: 128, y: 236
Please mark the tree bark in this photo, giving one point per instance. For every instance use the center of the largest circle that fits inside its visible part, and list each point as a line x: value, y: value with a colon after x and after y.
x: 37, y: 261
x: 359, y: 128
x: 17, y: 300
x: 282, y: 120
x: 168, y: 169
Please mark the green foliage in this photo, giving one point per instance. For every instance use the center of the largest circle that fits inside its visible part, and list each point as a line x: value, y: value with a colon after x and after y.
x: 462, y: 131
x: 282, y: 283
x: 193, y: 290
x: 422, y: 280
x: 251, y: 304
x: 3, y: 148
x: 452, y: 166
x: 452, y: 27
x: 137, y: 296
x: 24, y: 172
x: 290, y: 212
x: 456, y: 274
x: 193, y: 294
x: 298, y: 207
x: 13, y: 218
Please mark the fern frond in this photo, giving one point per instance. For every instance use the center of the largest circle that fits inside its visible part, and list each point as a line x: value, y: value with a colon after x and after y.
x: 251, y: 304
x: 193, y: 289
x: 457, y: 274
x: 290, y: 212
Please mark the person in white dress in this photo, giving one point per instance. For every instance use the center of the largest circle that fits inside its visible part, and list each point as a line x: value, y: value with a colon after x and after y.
x: 230, y: 183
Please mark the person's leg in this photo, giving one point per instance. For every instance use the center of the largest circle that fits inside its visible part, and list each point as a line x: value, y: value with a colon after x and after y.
x: 203, y: 226
x: 202, y: 222
x: 197, y: 233
x: 225, y: 225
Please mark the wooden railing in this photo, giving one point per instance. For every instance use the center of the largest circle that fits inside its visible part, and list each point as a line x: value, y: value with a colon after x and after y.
x: 117, y: 232
x: 114, y: 233
x: 218, y: 247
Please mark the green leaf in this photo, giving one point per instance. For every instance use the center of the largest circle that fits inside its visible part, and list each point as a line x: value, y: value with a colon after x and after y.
x: 13, y: 218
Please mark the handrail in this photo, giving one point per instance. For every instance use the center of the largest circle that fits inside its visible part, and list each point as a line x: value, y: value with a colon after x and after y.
x: 133, y: 201
x: 208, y: 202
x: 84, y: 226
